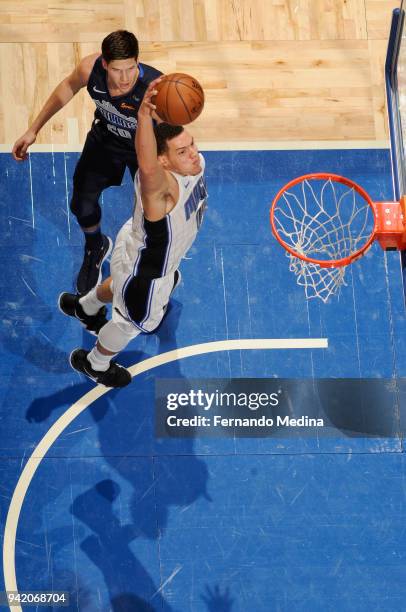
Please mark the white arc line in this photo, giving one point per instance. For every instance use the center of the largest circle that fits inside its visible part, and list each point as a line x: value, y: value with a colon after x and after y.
x: 13, y: 515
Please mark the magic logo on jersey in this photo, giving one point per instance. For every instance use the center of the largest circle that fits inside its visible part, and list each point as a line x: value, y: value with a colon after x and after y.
x: 112, y: 115
x: 196, y: 202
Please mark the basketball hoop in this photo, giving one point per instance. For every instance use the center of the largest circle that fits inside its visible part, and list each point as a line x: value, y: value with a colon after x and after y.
x: 326, y: 222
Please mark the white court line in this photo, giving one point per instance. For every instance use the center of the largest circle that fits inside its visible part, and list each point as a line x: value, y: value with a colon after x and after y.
x: 13, y: 515
x: 235, y: 145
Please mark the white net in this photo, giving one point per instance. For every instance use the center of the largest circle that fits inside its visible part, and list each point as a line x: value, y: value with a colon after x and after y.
x: 317, y: 282
x: 325, y: 220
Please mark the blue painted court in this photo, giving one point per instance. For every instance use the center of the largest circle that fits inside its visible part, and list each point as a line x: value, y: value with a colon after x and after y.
x: 126, y: 521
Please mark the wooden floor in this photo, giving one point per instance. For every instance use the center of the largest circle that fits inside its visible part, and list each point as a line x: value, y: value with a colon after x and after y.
x: 272, y: 70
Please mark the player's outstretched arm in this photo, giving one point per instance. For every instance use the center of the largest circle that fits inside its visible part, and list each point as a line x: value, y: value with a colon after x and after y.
x: 154, y: 180
x: 61, y: 95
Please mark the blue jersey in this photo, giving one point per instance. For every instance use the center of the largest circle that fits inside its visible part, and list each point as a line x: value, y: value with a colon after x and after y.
x: 118, y: 114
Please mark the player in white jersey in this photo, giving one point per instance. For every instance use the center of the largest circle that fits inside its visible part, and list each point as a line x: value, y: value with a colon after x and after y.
x: 169, y: 206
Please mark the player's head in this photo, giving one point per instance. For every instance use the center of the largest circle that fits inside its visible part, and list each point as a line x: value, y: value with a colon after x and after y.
x: 177, y: 150
x: 120, y: 45
x: 120, y: 59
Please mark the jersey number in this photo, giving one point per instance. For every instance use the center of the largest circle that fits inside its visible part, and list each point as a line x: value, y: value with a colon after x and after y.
x: 119, y: 131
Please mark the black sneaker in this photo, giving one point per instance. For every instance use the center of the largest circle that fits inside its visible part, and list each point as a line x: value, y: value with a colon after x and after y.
x: 115, y: 376
x: 90, y: 273
x: 69, y: 304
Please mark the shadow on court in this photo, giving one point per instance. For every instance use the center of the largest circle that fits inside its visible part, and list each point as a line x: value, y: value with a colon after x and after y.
x: 152, y: 486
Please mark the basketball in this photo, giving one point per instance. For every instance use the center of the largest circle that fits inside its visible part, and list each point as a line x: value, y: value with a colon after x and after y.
x: 180, y: 98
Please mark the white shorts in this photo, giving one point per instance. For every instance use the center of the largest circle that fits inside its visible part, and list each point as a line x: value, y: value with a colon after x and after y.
x: 145, y: 299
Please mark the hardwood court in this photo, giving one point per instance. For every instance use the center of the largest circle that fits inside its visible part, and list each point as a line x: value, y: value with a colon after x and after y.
x: 271, y: 70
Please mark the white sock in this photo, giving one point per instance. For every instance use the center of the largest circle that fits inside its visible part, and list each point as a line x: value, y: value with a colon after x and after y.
x: 98, y: 361
x: 90, y: 302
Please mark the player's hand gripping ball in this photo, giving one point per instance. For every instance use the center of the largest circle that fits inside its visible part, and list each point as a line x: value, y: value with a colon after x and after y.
x: 180, y: 98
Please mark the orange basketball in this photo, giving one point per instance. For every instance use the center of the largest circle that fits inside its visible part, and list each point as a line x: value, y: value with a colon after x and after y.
x: 180, y: 98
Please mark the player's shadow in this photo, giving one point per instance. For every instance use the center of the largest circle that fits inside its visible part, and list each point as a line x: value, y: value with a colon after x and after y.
x: 129, y: 585
x: 133, y: 454
x: 154, y: 483
x: 215, y: 600
x: 111, y: 548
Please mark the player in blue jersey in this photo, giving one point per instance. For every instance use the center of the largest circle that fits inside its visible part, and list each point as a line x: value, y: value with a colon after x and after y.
x: 116, y: 82
x: 169, y: 206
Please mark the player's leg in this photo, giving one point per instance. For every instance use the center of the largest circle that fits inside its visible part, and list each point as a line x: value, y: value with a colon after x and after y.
x: 89, y: 309
x: 99, y: 167
x: 113, y: 336
x: 145, y: 301
x: 137, y: 305
x: 97, y: 245
x: 98, y: 364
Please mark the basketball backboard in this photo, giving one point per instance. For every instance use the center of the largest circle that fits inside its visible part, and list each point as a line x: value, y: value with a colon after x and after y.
x: 395, y: 79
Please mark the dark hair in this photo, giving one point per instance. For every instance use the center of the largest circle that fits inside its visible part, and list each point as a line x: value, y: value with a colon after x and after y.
x: 165, y: 132
x: 119, y: 45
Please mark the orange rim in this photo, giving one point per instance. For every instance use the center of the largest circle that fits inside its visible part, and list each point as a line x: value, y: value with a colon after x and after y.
x: 331, y: 263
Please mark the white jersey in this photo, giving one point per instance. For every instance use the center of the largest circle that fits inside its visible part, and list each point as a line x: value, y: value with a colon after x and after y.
x: 154, y: 249
x: 147, y: 254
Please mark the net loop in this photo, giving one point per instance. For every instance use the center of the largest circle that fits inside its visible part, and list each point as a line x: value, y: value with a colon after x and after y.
x: 325, y: 222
